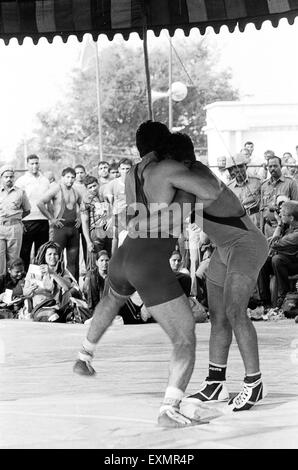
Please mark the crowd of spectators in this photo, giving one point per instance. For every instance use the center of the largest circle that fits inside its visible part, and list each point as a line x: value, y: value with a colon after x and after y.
x: 269, y: 194
x: 51, y: 225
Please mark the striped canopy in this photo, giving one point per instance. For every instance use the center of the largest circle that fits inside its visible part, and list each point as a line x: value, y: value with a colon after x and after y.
x: 49, y: 18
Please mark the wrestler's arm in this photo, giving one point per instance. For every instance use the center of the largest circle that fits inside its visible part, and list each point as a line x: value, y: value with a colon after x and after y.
x: 198, y: 180
x: 42, y: 205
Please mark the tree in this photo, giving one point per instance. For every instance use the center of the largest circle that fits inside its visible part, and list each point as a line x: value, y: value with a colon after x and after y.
x: 69, y: 131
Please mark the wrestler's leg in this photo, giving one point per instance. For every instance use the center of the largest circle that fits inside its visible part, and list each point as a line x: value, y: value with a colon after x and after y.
x: 214, y: 388
x: 176, y: 319
x: 221, y: 331
x: 104, y: 313
x: 238, y: 289
x: 237, y: 292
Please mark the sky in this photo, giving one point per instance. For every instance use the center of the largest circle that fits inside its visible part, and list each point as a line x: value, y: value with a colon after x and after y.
x: 34, y: 77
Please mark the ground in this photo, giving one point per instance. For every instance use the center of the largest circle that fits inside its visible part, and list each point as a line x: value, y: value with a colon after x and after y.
x: 44, y: 405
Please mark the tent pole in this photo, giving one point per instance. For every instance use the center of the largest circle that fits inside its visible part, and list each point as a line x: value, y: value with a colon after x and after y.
x: 170, y: 85
x: 98, y: 101
x: 147, y: 71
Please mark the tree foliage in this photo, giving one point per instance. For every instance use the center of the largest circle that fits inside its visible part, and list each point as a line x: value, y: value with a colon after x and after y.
x: 68, y: 132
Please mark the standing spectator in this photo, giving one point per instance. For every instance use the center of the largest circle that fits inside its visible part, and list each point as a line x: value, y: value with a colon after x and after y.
x: 65, y: 217
x: 113, y: 171
x: 114, y: 193
x: 103, y: 173
x: 221, y: 171
x: 250, y: 147
x: 253, y: 163
x: 247, y: 188
x: 14, y: 205
x: 288, y: 165
x: 246, y: 154
x: 274, y: 186
x: 96, y: 219
x: 293, y: 168
x: 50, y: 175
x: 52, y: 179
x: 79, y: 186
x: 36, y: 226
x: 252, y: 170
x: 264, y: 172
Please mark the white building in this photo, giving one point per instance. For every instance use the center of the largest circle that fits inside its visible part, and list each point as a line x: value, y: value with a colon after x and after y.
x: 230, y: 124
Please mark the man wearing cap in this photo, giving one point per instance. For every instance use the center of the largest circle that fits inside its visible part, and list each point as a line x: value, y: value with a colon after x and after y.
x: 14, y: 205
x: 247, y: 188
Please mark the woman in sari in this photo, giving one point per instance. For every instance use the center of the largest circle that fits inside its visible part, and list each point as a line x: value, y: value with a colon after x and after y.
x: 53, y: 285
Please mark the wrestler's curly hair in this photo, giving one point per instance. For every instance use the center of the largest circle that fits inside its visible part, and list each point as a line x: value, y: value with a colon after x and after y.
x: 152, y: 136
x: 41, y: 255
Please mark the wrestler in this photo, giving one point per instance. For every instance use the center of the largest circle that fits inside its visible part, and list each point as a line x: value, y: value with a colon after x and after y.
x: 241, y: 250
x: 142, y: 263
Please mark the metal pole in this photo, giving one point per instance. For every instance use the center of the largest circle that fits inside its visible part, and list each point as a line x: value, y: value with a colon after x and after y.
x: 147, y: 71
x: 98, y: 101
x: 25, y: 148
x: 170, y: 86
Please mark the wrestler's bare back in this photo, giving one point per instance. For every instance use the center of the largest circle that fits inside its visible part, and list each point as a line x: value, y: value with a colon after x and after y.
x: 163, y: 179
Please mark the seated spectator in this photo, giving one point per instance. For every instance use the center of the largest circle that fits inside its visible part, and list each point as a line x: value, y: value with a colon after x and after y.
x: 283, y: 258
x: 11, y: 289
x: 95, y: 286
x: 201, y: 273
x: 94, y: 283
x: 52, y: 284
x: 183, y: 275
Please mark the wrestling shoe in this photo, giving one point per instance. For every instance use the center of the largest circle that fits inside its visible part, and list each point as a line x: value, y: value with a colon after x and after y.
x: 249, y: 396
x: 83, y: 365
x: 210, y: 391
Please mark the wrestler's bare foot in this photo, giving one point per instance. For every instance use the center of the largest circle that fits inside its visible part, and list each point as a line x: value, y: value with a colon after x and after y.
x: 186, y: 415
x: 83, y: 368
x: 170, y: 417
x: 83, y: 364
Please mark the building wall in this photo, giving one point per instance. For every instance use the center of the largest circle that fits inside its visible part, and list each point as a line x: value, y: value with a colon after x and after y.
x: 271, y: 126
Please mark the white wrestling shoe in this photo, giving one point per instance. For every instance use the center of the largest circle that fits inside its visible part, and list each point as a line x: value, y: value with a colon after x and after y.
x: 250, y: 395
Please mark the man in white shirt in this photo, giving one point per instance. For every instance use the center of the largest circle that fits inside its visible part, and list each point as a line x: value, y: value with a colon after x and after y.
x: 79, y: 186
x: 36, y: 225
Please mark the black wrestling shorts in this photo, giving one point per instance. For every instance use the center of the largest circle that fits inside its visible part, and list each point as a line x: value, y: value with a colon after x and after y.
x: 142, y: 265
